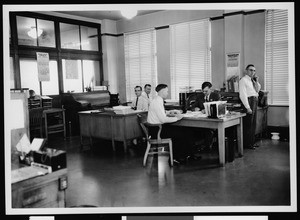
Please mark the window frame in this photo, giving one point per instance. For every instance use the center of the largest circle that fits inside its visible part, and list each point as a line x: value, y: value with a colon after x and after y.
x: 57, y: 53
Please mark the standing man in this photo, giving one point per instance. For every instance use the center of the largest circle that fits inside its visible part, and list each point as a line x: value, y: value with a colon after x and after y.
x: 139, y: 102
x: 248, y: 89
x: 146, y: 93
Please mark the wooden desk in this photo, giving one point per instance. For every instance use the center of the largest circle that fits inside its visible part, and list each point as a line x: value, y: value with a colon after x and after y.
x: 40, y: 191
x: 220, y: 124
x: 111, y: 126
x: 60, y: 126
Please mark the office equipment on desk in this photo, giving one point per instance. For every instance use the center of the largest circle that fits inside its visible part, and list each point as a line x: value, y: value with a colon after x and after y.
x: 233, y: 101
x: 56, y: 159
x: 110, y: 126
x: 220, y: 124
x: 46, y: 102
x: 76, y: 102
x: 262, y: 98
x: 215, y: 109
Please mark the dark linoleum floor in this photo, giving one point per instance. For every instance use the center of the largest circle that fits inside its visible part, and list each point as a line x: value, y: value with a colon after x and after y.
x: 99, y: 177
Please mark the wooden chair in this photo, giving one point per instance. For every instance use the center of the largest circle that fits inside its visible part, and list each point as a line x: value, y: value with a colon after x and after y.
x: 36, y: 121
x: 159, y: 142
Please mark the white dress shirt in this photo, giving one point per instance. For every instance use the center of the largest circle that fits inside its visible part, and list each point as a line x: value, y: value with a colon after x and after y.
x: 147, y: 96
x: 246, y: 89
x: 142, y: 103
x: 157, y: 114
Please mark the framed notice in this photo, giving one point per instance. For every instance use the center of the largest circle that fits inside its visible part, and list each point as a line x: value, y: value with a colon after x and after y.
x: 232, y: 65
x: 43, y: 66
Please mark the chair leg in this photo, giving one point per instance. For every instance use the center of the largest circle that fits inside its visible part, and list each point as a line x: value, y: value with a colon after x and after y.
x: 171, y: 152
x: 146, y: 153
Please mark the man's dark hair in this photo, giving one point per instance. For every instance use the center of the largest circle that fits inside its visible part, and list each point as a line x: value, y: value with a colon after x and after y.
x: 147, y: 85
x: 249, y: 66
x: 160, y: 87
x: 205, y: 84
x: 138, y: 87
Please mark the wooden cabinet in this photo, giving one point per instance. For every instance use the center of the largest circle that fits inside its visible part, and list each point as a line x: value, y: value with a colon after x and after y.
x: 41, y: 192
x: 261, y: 120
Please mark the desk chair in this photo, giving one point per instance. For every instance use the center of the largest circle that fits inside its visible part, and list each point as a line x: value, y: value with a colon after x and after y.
x: 36, y: 121
x: 154, y: 142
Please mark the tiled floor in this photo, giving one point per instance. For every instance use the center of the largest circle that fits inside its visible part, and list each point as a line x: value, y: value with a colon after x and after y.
x: 98, y: 177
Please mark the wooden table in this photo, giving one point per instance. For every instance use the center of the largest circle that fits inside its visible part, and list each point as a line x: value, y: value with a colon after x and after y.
x: 110, y: 126
x: 235, y: 119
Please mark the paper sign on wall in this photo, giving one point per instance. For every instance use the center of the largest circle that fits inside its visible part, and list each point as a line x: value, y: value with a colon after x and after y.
x: 232, y: 65
x: 43, y: 66
x: 72, y: 69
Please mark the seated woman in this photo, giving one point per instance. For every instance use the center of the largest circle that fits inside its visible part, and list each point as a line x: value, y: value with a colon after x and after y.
x: 33, y: 96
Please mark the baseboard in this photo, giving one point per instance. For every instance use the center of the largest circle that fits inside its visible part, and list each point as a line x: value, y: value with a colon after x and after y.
x: 284, y: 132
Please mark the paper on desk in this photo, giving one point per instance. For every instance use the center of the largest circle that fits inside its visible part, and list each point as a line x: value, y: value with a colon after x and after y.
x: 24, y: 144
x: 194, y: 115
x: 37, y: 143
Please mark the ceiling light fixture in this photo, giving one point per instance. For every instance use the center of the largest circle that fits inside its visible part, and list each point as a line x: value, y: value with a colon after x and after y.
x: 34, y: 33
x: 128, y: 13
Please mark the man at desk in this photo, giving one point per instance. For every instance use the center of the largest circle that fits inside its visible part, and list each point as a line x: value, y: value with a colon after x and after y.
x: 139, y: 102
x: 147, y: 93
x: 207, y: 96
x: 157, y: 115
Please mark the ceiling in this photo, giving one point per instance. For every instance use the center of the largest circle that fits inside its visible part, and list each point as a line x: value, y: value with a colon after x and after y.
x: 100, y: 15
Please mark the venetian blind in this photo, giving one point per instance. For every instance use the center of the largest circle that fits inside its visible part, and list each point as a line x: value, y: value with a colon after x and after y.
x: 190, y: 55
x: 140, y: 60
x: 277, y: 71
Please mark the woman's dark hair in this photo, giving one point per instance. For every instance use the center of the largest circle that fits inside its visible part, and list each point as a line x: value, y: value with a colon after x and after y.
x: 205, y: 84
x: 160, y: 87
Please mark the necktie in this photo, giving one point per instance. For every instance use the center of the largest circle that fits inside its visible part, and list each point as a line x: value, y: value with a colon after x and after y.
x: 148, y: 95
x: 254, y: 85
x: 206, y: 98
x: 136, y: 103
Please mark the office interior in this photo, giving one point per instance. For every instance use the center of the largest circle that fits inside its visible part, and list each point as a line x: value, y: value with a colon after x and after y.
x: 92, y: 163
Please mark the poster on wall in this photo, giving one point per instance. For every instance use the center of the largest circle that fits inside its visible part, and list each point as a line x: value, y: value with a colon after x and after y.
x: 232, y: 65
x: 43, y: 66
x: 72, y: 69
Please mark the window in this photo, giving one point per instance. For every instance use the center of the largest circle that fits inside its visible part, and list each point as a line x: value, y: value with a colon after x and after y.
x: 35, y: 32
x: 12, y: 73
x: 29, y: 77
x: 277, y: 70
x: 89, y: 38
x: 140, y: 60
x: 190, y: 55
x: 78, y: 75
x: 69, y: 34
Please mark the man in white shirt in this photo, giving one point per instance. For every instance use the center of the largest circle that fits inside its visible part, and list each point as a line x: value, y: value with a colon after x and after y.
x: 147, y: 93
x: 182, y: 144
x: 139, y: 102
x: 248, y: 90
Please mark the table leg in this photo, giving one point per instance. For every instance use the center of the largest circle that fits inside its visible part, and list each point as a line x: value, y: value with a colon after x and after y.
x: 112, y: 133
x: 64, y: 122
x: 46, y: 127
x: 221, y: 140
x: 240, y: 138
x: 125, y: 146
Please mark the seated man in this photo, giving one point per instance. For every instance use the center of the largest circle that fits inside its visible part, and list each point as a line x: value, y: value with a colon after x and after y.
x: 207, y: 96
x: 147, y: 93
x: 33, y: 96
x: 157, y: 115
x: 139, y: 102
